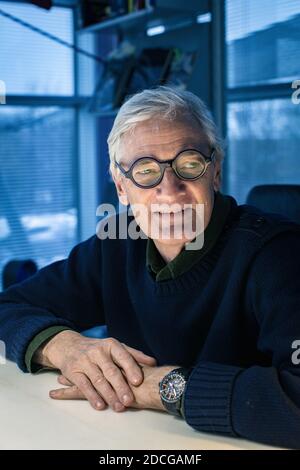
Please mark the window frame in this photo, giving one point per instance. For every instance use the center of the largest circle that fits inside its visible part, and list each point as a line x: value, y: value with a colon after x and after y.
x: 85, y: 150
x: 247, y: 93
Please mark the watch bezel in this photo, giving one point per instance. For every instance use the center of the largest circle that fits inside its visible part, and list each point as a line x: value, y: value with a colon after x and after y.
x: 169, y: 377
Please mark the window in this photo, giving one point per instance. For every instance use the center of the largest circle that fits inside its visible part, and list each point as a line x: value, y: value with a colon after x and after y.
x: 38, y: 168
x: 37, y: 207
x: 263, y: 43
x: 32, y: 64
x: 264, y: 144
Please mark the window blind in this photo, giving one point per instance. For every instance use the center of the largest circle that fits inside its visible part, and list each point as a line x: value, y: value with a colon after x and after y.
x: 263, y: 37
x: 38, y: 169
x: 31, y: 64
x: 38, y: 216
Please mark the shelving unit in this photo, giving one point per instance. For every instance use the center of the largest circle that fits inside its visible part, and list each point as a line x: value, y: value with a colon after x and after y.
x: 131, y: 20
x: 183, y: 13
x: 181, y: 29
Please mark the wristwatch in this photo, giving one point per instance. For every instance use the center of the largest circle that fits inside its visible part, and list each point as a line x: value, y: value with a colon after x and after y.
x: 171, y: 389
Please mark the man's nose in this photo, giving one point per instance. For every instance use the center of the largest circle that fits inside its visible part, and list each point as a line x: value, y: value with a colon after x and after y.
x: 170, y: 185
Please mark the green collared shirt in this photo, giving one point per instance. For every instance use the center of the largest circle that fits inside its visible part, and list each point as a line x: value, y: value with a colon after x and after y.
x: 163, y: 271
x: 36, y: 343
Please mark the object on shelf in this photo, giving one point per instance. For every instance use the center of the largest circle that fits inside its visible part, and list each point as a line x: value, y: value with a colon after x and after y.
x: 151, y: 68
x: 116, y: 71
x: 181, y: 68
x: 127, y: 71
x: 96, y: 11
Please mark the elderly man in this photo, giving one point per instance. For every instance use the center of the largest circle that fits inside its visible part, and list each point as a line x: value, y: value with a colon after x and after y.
x: 207, y: 333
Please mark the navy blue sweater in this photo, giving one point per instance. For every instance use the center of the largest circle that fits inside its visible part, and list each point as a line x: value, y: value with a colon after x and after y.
x: 233, y: 317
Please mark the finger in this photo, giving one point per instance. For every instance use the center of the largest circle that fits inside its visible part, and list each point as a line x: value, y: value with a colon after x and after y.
x: 63, y: 380
x: 85, y: 386
x: 117, y: 381
x: 73, y: 393
x: 105, y: 381
x: 126, y: 361
x: 68, y: 393
x: 140, y: 356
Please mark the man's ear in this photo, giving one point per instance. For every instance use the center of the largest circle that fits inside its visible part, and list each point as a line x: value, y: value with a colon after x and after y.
x: 121, y: 189
x: 217, y: 175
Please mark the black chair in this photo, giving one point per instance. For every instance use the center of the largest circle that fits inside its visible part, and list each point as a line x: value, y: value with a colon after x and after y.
x: 281, y: 199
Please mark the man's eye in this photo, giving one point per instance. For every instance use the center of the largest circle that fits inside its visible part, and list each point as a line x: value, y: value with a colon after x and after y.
x: 146, y: 171
x: 190, y: 165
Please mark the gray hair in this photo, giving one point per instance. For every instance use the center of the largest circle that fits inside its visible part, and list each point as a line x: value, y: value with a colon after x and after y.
x: 167, y: 103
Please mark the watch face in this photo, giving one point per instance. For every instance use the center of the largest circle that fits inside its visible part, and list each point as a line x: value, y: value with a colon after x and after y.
x: 172, y: 387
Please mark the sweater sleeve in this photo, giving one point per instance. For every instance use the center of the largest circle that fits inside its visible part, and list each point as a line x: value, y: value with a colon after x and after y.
x: 65, y: 293
x: 258, y: 403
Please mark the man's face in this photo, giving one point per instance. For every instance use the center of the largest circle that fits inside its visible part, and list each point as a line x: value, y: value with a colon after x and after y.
x: 164, y: 139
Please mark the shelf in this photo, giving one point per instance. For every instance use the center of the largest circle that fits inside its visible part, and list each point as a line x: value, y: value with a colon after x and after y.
x: 130, y: 20
x: 162, y: 11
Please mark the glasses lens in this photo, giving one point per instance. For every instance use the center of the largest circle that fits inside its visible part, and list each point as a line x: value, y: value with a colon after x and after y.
x: 146, y: 172
x: 190, y: 164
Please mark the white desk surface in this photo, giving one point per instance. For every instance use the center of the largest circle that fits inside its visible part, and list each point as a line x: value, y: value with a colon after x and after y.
x: 31, y: 420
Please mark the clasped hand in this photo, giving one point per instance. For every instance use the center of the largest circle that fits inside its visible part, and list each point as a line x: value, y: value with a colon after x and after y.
x: 104, y: 372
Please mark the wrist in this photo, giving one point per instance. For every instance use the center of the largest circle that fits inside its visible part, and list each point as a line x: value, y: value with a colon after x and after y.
x: 157, y: 401
x: 172, y: 389
x: 147, y: 393
x: 53, y: 351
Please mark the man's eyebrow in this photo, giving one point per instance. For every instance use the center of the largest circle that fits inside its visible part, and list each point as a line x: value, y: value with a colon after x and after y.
x: 189, y: 145
x: 193, y: 145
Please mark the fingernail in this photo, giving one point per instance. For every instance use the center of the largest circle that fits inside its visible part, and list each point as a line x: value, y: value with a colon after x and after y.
x: 136, y: 379
x: 126, y: 399
x: 119, y: 406
x: 53, y: 393
x: 99, y: 405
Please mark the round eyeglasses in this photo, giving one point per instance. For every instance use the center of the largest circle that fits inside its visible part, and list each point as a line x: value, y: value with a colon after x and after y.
x: 148, y: 172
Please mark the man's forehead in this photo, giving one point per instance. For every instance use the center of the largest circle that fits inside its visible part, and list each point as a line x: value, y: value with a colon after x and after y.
x: 156, y: 133
x: 158, y: 124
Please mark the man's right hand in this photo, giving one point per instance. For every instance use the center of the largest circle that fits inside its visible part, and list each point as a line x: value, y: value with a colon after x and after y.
x: 100, y: 368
